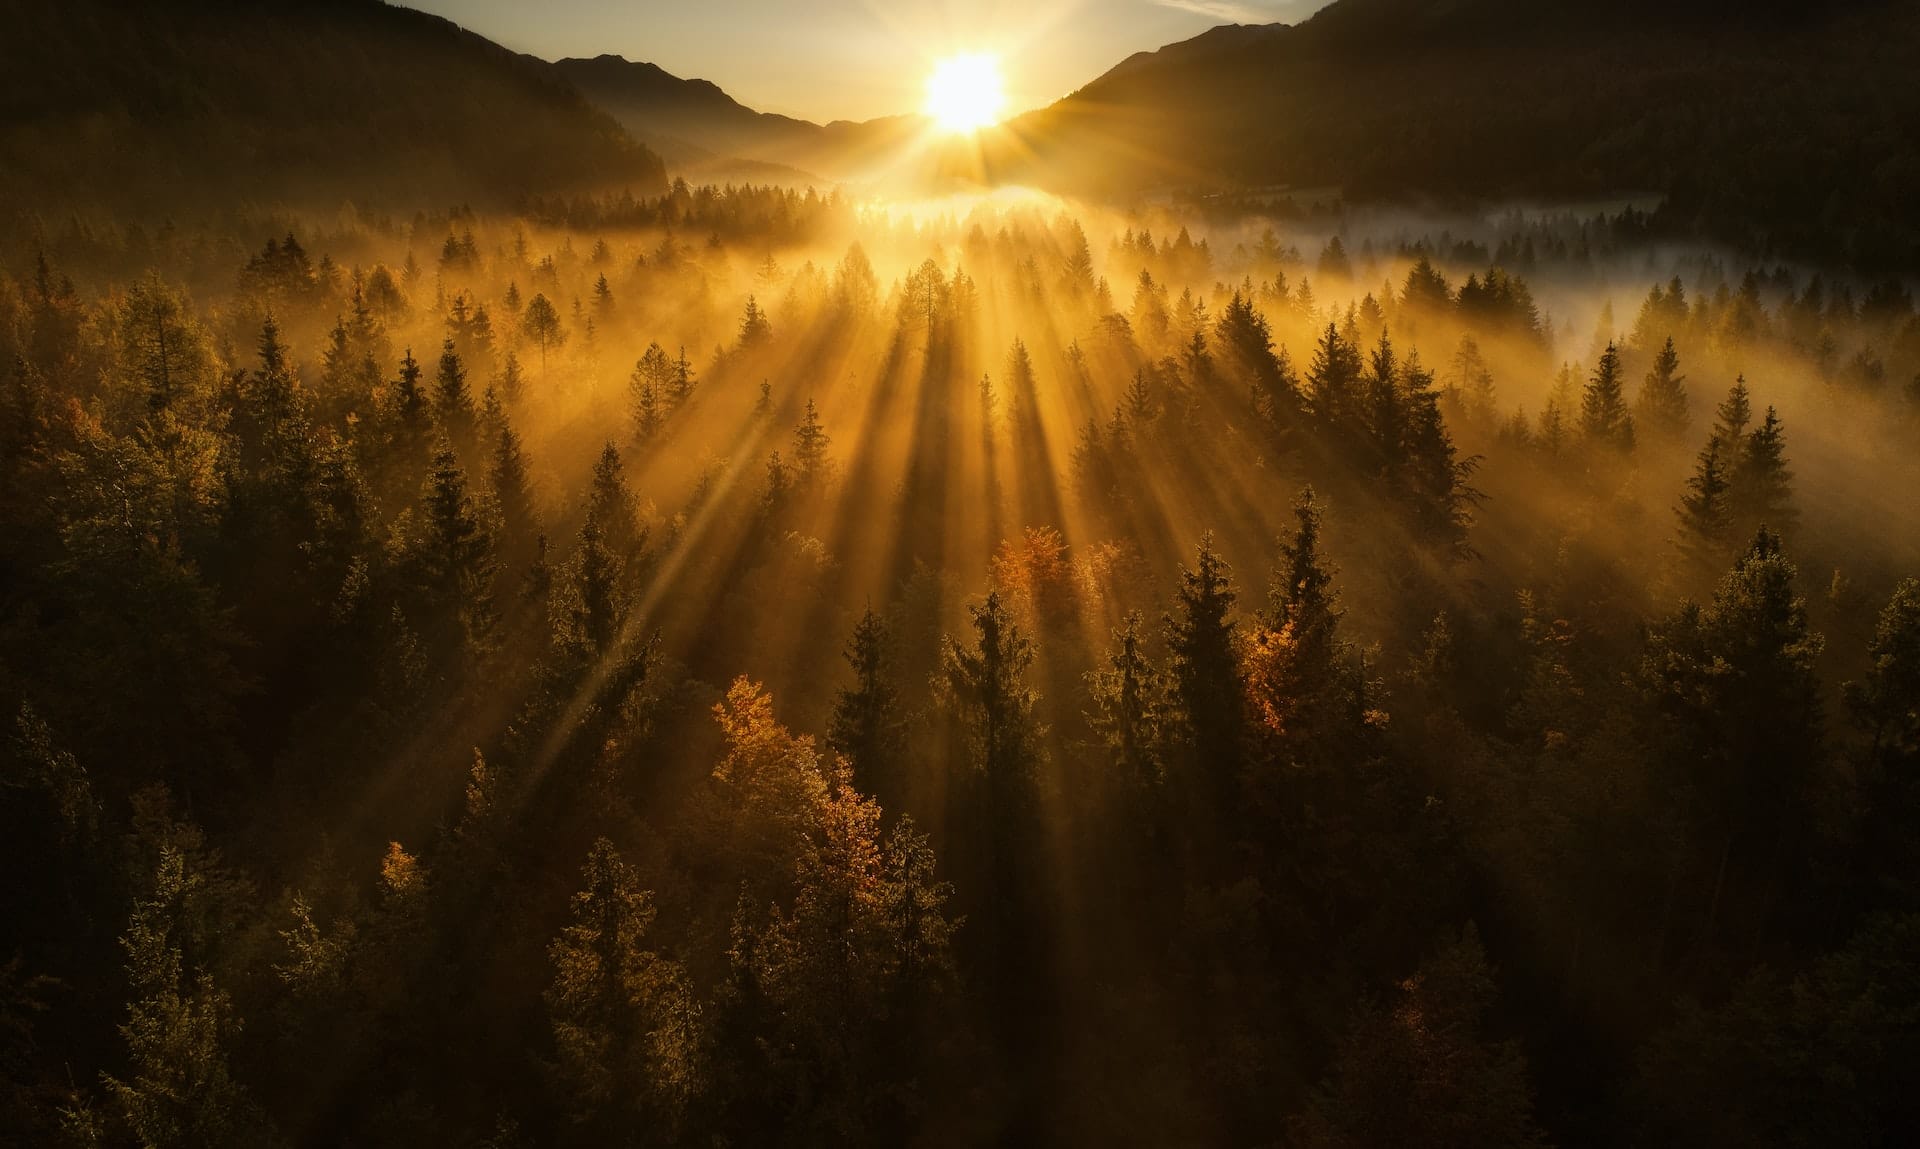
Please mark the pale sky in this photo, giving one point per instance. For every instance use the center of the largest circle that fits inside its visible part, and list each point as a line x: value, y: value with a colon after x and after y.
x: 856, y: 59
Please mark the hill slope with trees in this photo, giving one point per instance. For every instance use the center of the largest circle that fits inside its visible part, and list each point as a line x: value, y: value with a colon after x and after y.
x: 1776, y: 126
x: 110, y: 104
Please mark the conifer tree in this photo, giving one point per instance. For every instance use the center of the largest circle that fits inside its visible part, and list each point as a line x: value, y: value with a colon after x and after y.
x: 1128, y: 707
x: 541, y: 323
x: 1730, y: 423
x: 625, y: 1020
x: 1737, y: 681
x: 181, y: 1091
x: 681, y: 383
x: 1706, y: 520
x: 610, y: 503
x: 755, y: 330
x: 1419, y: 1069
x: 810, y: 445
x: 987, y: 683
x: 512, y: 492
x: 866, y: 727
x: 1205, y: 673
x: 1604, y: 420
x: 1385, y: 419
x: 410, y: 403
x: 1333, y: 380
x: 1885, y: 705
x: 1661, y: 408
x: 452, y: 399
x: 1760, y: 484
x: 511, y: 381
x: 456, y: 553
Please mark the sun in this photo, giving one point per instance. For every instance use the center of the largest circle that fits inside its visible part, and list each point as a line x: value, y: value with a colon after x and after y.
x: 965, y: 94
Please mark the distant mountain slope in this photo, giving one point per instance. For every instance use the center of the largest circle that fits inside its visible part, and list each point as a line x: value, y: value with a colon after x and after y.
x: 174, y: 104
x: 669, y: 112
x: 692, y: 122
x: 1782, y: 125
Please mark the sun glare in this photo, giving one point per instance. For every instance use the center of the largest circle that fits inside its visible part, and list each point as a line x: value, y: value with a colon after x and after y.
x: 965, y: 94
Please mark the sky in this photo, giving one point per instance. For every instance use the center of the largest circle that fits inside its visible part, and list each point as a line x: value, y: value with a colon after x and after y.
x: 857, y: 59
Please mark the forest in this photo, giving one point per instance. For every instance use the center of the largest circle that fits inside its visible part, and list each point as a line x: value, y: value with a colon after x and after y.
x: 745, y: 666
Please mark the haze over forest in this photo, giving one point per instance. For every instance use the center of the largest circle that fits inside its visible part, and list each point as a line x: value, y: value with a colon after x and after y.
x: 1347, y: 584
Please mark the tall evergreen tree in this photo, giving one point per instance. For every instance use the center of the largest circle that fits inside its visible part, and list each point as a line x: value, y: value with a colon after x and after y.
x: 1128, y: 707
x: 1206, y: 675
x: 1760, y: 485
x: 625, y: 1020
x: 1333, y: 380
x: 866, y: 727
x: 1706, y: 520
x: 452, y: 399
x: 1661, y: 408
x: 1604, y: 420
x: 810, y: 445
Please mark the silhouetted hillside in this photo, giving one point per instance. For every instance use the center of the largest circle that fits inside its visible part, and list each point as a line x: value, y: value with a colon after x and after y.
x: 692, y: 122
x: 1783, y: 127
x: 105, y: 102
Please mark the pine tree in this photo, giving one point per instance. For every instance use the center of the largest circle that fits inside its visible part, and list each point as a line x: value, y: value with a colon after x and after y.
x: 512, y: 492
x: 998, y: 758
x: 625, y: 1020
x: 456, y: 554
x: 1333, y: 379
x: 986, y: 683
x: 541, y: 323
x: 1604, y: 420
x: 1706, y: 521
x: 452, y: 400
x: 1302, y: 598
x: 1128, y: 709
x: 1385, y: 418
x: 1736, y: 680
x: 602, y: 298
x: 1418, y: 1071
x: 1472, y: 380
x: 866, y: 728
x: 589, y: 617
x: 1730, y: 423
x: 1661, y: 408
x: 180, y: 1030
x: 1435, y: 476
x: 680, y: 384
x: 1760, y: 485
x: 778, y: 490
x: 1205, y: 673
x: 810, y: 445
x: 275, y: 431
x: 610, y: 503
x: 755, y: 330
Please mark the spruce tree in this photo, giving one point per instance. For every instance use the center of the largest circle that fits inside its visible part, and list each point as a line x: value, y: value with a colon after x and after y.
x: 623, y: 1018
x: 810, y: 445
x: 866, y: 728
x: 1333, y: 378
x: 1604, y: 421
x: 1706, y: 520
x: 1661, y: 408
x: 610, y: 503
x: 452, y: 400
x: 1205, y: 671
x: 1760, y: 485
x: 1128, y: 709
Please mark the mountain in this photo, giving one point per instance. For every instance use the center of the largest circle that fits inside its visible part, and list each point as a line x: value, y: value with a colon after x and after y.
x: 1784, y: 127
x: 170, y: 105
x: 681, y: 118
x: 694, y: 124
